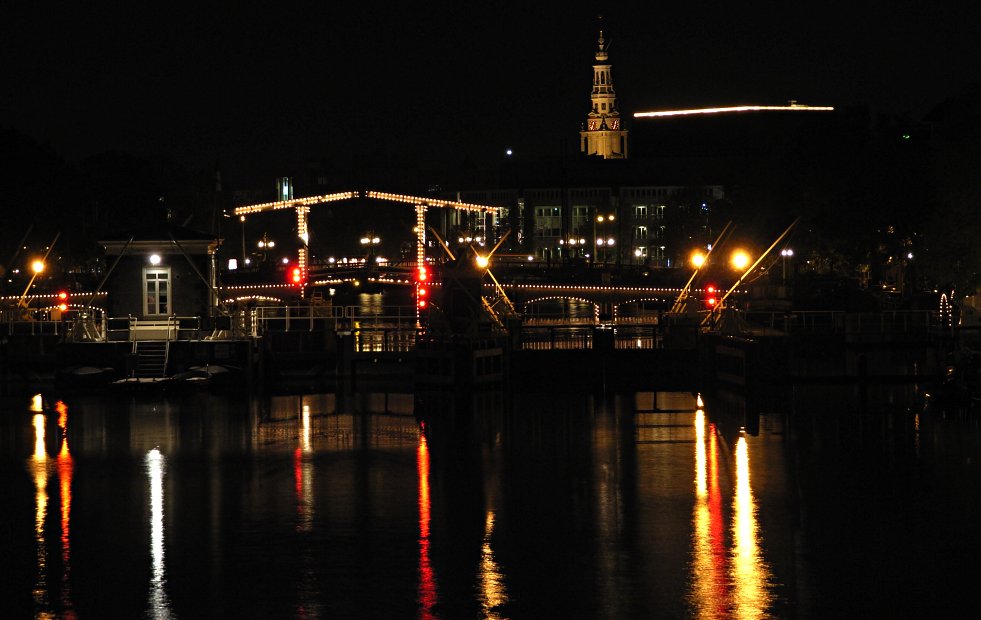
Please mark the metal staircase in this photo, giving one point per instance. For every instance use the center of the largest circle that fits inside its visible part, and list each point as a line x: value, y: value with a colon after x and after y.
x: 151, y: 358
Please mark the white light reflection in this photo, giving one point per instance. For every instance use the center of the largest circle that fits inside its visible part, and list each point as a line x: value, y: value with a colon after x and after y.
x: 493, y: 593
x: 303, y: 474
x: 159, y: 604
x: 750, y: 573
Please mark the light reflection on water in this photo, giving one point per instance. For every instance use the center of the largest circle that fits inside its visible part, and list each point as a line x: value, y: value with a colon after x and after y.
x: 38, y: 465
x: 751, y: 575
x: 159, y: 603
x: 427, y: 596
x: 314, y: 505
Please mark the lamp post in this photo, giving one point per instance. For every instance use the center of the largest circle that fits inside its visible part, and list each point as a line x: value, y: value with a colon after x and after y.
x: 598, y: 239
x: 241, y: 218
x: 784, y: 255
x: 370, y: 241
x: 265, y: 244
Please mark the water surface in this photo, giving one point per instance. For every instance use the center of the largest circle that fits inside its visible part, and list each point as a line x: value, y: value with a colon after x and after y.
x: 562, y: 505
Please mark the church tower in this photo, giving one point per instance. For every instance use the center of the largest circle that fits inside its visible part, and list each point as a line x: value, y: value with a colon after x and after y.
x: 603, y: 135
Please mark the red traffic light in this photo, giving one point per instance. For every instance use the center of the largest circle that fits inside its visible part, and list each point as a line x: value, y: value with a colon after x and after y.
x: 710, y: 302
x: 296, y: 275
x: 62, y: 300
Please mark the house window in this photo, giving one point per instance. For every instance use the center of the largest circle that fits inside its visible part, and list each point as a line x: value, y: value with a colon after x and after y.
x: 156, y: 292
x: 640, y: 232
x: 640, y: 212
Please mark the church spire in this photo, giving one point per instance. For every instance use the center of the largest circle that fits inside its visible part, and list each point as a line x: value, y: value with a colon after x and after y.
x: 603, y: 134
x: 601, y: 53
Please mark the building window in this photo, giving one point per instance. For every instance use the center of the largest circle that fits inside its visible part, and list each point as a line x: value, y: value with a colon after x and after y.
x: 640, y: 212
x: 548, y: 222
x: 156, y: 292
x: 640, y: 232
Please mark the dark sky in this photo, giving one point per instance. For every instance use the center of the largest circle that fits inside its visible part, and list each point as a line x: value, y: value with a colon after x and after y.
x: 274, y: 84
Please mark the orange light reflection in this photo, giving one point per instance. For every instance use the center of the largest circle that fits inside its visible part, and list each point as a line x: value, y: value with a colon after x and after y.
x: 39, y: 467
x: 749, y: 572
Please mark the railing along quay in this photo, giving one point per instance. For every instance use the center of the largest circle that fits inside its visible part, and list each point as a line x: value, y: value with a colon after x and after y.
x: 396, y: 328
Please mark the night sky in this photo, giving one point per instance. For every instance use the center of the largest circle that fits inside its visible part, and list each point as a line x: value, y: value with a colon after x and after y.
x: 421, y: 83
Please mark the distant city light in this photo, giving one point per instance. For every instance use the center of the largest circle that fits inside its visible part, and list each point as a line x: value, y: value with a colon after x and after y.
x: 509, y: 152
x: 793, y: 107
x: 232, y: 264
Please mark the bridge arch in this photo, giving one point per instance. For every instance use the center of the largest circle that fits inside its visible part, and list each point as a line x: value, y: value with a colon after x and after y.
x: 548, y: 307
x: 642, y: 306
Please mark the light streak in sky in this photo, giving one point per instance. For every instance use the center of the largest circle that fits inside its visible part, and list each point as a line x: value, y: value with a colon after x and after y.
x: 794, y: 107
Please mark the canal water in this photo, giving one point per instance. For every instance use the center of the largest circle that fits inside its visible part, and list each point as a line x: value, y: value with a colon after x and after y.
x: 551, y: 505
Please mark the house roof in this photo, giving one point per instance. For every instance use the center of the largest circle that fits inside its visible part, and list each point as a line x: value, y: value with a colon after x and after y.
x: 160, y: 231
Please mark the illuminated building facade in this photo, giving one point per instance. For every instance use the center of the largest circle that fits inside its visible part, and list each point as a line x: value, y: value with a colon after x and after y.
x: 602, y: 134
x: 653, y: 225
x: 161, y: 271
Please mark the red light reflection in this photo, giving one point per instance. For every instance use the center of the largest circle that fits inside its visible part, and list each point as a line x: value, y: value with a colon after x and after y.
x: 427, y: 578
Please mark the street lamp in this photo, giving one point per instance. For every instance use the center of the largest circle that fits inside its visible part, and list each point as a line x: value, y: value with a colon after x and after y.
x: 739, y: 260
x: 241, y: 218
x: 784, y: 255
x: 598, y: 240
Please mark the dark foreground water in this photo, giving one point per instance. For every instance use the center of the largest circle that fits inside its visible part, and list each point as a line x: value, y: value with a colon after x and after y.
x: 555, y: 505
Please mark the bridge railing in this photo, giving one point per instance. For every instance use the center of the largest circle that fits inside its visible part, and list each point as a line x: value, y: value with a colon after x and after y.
x: 620, y: 337
x: 263, y: 319
x: 840, y: 322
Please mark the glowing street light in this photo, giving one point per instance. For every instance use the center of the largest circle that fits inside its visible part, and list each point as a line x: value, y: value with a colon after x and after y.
x: 739, y: 260
x: 697, y: 259
x: 37, y: 266
x: 599, y: 241
x: 784, y: 255
x: 482, y: 261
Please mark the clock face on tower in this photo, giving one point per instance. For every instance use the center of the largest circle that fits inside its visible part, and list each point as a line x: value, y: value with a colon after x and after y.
x: 613, y: 122
x: 593, y: 124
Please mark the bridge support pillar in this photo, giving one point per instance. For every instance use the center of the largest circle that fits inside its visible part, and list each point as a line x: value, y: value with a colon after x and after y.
x: 605, y: 310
